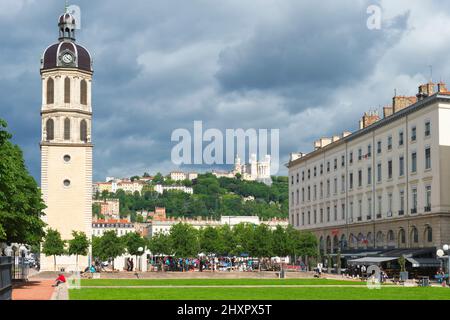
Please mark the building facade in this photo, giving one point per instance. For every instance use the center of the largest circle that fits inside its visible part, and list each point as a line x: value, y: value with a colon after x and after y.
x: 66, y: 147
x: 121, y: 227
x: 383, y: 186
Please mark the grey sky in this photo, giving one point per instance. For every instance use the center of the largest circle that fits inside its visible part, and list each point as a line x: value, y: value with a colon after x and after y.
x: 308, y: 68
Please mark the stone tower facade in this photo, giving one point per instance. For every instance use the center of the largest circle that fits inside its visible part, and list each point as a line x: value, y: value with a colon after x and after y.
x: 66, y: 147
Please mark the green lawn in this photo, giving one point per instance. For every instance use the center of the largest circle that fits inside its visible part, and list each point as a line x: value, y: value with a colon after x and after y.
x: 319, y: 293
x: 213, y: 282
x: 322, y: 292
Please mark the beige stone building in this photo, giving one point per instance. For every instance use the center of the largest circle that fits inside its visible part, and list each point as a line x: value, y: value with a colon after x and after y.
x: 383, y: 186
x: 66, y: 147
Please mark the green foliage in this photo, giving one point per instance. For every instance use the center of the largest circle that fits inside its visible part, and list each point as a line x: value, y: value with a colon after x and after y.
x: 21, y: 202
x: 210, y: 240
x: 53, y: 245
x: 79, y: 244
x: 184, y: 240
x: 213, y: 197
x: 108, y: 246
x: 133, y: 241
x: 159, y: 244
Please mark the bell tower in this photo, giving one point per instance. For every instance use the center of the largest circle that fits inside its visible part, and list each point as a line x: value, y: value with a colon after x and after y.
x: 66, y: 146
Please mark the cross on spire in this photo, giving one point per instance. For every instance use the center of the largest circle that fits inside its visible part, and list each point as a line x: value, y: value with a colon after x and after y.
x: 66, y: 8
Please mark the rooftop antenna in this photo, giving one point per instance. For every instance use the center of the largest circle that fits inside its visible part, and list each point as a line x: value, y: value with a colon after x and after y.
x: 395, y: 92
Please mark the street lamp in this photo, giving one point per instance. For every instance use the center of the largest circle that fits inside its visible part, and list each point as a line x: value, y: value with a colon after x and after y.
x: 140, y: 250
x: 440, y: 254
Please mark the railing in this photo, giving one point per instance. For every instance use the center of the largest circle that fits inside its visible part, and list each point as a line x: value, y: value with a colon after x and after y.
x: 359, y: 218
x: 413, y: 210
x: 369, y: 217
x: 401, y: 212
x: 378, y: 215
x: 427, y: 209
x: 5, y: 278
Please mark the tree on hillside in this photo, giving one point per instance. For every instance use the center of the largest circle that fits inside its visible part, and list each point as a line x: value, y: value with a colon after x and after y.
x: 21, y: 204
x: 79, y: 245
x: 53, y: 245
x: 184, y: 240
x: 108, y: 246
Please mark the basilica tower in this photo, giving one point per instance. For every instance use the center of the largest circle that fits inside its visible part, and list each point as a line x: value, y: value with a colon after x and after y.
x: 66, y: 147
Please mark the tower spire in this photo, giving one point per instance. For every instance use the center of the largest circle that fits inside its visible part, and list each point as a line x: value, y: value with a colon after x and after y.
x: 66, y: 7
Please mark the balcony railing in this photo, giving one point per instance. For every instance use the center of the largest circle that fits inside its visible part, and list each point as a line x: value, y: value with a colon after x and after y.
x: 369, y: 217
x: 401, y: 212
x: 379, y: 216
x: 413, y: 210
x: 427, y: 209
x: 359, y: 219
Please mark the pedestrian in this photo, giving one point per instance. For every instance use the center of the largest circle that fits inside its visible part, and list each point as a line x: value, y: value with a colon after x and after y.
x: 59, y: 280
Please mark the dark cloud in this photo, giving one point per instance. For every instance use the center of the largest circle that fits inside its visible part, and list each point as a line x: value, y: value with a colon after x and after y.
x: 159, y: 65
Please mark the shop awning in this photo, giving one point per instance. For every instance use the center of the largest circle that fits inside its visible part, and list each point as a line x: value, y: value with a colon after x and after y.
x: 370, y: 260
x: 424, y: 262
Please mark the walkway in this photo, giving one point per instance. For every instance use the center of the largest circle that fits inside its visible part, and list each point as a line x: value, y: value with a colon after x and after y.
x: 33, y: 290
x: 233, y: 286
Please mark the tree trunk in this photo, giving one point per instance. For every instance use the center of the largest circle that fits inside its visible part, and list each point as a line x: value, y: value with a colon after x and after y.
x: 77, y: 263
x: 54, y: 262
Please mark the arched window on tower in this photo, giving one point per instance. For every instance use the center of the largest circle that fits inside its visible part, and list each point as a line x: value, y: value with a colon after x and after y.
x: 83, y: 130
x: 50, y: 128
x: 67, y: 129
x: 50, y: 91
x: 67, y: 90
x: 83, y: 92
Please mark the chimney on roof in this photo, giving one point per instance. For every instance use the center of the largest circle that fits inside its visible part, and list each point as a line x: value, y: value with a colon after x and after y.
x: 322, y: 142
x: 402, y: 102
x: 442, y: 88
x: 387, y: 111
x: 425, y: 90
x: 368, y: 119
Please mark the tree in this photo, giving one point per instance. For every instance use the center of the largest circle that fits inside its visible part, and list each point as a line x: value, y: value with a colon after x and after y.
x: 159, y: 244
x: 79, y: 245
x: 184, y: 240
x: 226, y: 240
x: 21, y: 204
x: 108, y: 246
x: 133, y: 241
x: 53, y: 245
x: 280, y: 243
x: 158, y: 178
x: 209, y: 240
x: 262, y: 241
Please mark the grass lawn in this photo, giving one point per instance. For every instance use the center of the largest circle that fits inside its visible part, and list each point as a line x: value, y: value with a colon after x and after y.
x: 213, y: 282
x: 284, y: 293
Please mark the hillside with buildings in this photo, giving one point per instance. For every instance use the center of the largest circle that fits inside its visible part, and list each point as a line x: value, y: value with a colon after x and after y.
x: 190, y: 195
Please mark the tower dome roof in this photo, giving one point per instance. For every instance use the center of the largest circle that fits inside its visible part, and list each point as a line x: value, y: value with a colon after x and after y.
x: 66, y: 53
x: 53, y: 56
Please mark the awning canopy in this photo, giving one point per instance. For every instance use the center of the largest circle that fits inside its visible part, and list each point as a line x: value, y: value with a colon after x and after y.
x: 370, y: 260
x: 424, y: 262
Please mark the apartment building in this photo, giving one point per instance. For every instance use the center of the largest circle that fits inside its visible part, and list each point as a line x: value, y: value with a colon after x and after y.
x: 383, y: 186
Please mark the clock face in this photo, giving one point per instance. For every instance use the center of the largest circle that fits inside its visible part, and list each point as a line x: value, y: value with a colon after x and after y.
x: 67, y: 58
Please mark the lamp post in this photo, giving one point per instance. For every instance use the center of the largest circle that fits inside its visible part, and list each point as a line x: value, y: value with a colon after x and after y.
x: 440, y: 253
x: 140, y: 250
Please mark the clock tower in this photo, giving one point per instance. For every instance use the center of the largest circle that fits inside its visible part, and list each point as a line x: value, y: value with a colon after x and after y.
x: 66, y: 146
